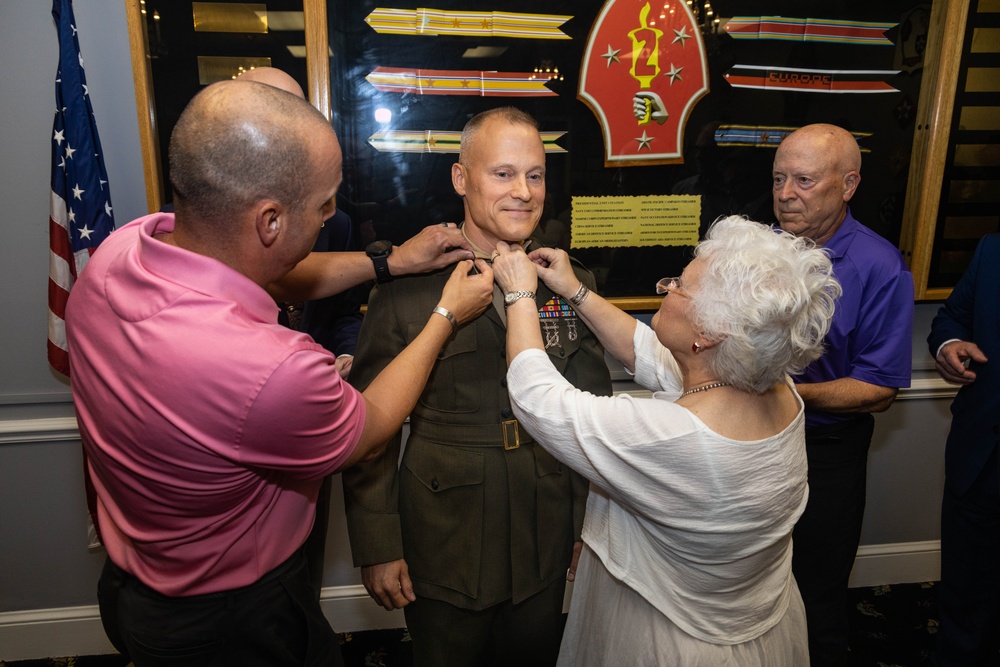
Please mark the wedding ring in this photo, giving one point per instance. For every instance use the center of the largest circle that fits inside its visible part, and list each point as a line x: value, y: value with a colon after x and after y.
x: 494, y: 256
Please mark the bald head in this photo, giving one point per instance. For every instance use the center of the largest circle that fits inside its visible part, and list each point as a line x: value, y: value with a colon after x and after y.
x: 238, y: 142
x: 835, y: 145
x: 273, y: 76
x: 817, y: 170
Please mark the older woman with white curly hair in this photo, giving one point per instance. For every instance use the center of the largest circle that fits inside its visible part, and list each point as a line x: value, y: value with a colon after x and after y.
x: 695, y: 490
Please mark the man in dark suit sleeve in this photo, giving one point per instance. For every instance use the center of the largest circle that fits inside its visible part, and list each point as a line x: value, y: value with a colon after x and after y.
x: 964, y: 336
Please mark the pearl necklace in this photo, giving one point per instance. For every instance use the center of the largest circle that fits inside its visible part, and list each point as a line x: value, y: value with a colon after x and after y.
x: 705, y: 388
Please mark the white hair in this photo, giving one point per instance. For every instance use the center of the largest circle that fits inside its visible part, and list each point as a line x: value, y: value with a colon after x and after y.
x: 766, y: 297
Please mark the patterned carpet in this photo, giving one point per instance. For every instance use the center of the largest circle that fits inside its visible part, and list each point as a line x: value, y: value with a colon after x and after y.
x: 892, y: 626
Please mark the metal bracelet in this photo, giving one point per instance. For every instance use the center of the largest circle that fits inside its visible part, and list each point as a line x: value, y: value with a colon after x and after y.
x: 580, y: 296
x: 441, y: 310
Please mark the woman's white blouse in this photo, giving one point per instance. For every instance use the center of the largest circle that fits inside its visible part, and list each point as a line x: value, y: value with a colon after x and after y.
x: 698, y: 524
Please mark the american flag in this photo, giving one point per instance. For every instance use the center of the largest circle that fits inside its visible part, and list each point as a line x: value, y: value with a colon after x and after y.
x: 80, y: 208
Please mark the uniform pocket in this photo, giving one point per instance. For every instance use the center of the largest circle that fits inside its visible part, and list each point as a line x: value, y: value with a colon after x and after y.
x: 453, y: 386
x: 441, y: 511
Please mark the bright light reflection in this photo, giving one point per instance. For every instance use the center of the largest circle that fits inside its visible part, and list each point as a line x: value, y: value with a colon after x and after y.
x: 383, y: 115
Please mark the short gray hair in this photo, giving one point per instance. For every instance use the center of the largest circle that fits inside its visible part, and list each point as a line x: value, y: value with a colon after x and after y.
x: 767, y: 298
x: 511, y: 115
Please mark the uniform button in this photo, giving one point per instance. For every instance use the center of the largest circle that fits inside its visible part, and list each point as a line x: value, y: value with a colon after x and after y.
x: 434, y: 484
x: 507, y: 413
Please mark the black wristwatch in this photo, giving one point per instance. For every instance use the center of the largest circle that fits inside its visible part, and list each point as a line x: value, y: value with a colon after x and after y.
x: 379, y: 252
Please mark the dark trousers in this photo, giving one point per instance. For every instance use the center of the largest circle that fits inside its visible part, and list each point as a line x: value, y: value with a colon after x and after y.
x: 315, y: 544
x: 825, y: 540
x: 969, y: 595
x: 527, y: 634
x: 274, y: 622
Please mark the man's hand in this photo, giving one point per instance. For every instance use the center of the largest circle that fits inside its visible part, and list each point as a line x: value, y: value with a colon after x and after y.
x: 435, y: 247
x: 389, y: 584
x: 466, y: 295
x: 953, y: 357
x: 343, y: 364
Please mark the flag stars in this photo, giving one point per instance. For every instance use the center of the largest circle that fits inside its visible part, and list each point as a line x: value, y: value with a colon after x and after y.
x: 85, y: 232
x: 674, y: 73
x: 107, y: 208
x: 69, y: 151
x: 59, y: 137
x: 612, y: 55
x: 644, y: 141
x: 680, y: 36
x: 77, y: 192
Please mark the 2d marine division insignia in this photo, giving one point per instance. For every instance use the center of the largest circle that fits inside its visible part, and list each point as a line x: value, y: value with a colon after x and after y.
x: 643, y: 72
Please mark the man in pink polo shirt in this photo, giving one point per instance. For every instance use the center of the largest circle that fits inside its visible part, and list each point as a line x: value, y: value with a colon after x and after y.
x: 207, y: 426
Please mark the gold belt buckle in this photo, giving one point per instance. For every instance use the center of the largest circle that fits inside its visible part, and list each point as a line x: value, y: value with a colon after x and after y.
x: 510, y: 426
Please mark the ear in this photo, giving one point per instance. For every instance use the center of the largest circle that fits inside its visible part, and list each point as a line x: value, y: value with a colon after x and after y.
x: 458, y: 178
x: 851, y: 182
x: 708, y: 343
x: 269, y: 220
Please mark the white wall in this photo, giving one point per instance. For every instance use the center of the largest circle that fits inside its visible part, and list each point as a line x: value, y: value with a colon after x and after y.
x: 47, y: 575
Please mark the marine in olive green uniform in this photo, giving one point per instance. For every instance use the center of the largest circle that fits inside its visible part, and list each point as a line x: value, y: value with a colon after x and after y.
x: 479, y: 518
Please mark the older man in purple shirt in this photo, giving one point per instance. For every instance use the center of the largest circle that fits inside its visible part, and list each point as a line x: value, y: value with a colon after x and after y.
x: 868, y: 357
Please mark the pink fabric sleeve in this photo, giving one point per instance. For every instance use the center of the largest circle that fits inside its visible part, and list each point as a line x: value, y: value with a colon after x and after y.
x: 305, y: 420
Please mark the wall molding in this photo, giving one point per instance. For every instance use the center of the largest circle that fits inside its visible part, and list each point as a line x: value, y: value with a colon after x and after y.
x: 69, y: 631
x: 63, y: 429
x: 55, y: 429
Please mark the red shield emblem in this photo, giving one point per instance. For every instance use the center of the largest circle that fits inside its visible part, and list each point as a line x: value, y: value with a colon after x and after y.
x: 643, y: 72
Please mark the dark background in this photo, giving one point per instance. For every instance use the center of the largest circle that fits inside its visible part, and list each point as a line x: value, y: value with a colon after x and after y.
x: 393, y: 195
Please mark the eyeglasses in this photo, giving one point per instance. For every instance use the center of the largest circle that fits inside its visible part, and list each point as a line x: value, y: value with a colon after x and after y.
x: 671, y: 286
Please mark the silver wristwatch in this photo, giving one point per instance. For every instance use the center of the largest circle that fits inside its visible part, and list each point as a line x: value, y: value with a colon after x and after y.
x: 511, y: 297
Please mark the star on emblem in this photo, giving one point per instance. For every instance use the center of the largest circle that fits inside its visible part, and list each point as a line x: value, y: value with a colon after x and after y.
x: 681, y: 35
x: 612, y: 55
x: 674, y: 73
x: 644, y: 141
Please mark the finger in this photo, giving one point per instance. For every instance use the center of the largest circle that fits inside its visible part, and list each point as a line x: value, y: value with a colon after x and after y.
x: 406, y: 586
x: 486, y: 270
x: 453, y: 255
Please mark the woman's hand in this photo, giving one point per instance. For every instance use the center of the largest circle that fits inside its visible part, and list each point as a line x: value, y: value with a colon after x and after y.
x: 556, y: 271
x: 513, y: 270
x: 467, y: 295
